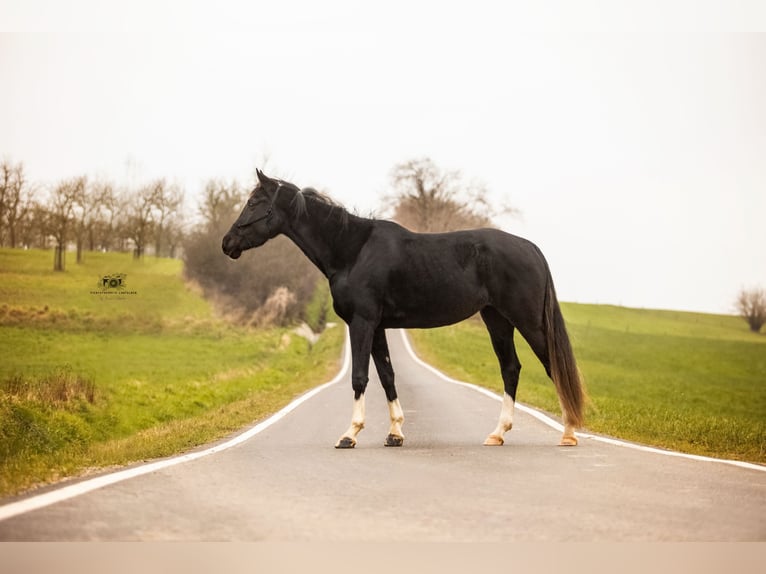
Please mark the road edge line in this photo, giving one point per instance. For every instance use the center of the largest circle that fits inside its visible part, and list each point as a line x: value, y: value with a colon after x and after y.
x: 559, y: 427
x: 63, y: 493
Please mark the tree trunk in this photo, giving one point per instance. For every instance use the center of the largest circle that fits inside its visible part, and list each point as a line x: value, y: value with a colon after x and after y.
x: 58, y: 257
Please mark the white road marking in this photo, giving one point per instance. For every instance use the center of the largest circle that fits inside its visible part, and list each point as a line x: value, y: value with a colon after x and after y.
x: 559, y: 427
x: 73, y: 490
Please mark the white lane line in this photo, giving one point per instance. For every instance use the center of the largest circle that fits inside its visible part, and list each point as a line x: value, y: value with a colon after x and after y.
x: 71, y: 491
x: 559, y: 427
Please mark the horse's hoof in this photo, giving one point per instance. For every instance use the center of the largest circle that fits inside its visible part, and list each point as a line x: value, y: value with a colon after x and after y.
x: 568, y: 441
x: 393, y: 440
x: 494, y: 440
x: 346, y: 442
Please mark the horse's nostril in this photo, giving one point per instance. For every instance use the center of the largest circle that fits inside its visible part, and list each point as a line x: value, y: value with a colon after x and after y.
x: 231, y: 247
x: 226, y: 244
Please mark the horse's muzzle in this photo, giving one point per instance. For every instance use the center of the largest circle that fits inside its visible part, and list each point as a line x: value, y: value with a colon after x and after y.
x: 231, y: 246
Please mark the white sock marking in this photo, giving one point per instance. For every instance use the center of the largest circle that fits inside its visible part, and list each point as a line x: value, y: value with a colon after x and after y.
x: 397, y: 418
x: 505, y: 423
x: 357, y: 419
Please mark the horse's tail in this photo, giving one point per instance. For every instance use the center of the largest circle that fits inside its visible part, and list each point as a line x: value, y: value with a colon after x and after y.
x: 564, y: 371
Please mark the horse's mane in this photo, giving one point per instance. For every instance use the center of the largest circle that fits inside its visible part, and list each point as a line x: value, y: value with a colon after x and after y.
x: 311, y: 194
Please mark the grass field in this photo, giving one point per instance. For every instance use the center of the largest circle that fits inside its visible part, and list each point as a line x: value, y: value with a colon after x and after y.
x: 93, y: 378
x: 685, y: 381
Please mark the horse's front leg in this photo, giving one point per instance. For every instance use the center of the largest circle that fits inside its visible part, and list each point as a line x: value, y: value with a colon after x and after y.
x: 361, y: 334
x: 386, y: 375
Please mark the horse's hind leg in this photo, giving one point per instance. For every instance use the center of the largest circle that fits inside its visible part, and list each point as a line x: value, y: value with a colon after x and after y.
x: 386, y: 374
x: 537, y: 341
x: 501, y: 334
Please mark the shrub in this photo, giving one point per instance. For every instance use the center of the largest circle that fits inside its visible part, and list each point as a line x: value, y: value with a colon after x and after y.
x: 240, y: 288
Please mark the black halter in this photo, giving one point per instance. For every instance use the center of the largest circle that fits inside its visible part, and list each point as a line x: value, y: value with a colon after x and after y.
x: 266, y: 216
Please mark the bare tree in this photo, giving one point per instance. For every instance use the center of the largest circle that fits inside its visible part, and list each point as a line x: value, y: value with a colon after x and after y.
x: 219, y: 203
x: 751, y: 306
x: 175, y: 233
x: 167, y: 201
x: 86, y: 208
x: 139, y: 220
x: 102, y: 231
x: 15, y: 197
x: 34, y: 225
x: 6, y: 177
x: 61, y: 214
x: 428, y: 198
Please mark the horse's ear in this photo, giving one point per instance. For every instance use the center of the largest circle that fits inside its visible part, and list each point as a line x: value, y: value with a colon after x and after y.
x: 261, y: 176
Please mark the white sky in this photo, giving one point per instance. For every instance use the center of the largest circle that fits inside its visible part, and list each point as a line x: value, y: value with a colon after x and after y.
x: 633, y: 140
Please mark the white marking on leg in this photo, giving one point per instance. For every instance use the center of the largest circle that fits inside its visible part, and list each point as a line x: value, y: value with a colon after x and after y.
x: 357, y: 420
x: 568, y: 438
x: 504, y: 424
x: 397, y: 418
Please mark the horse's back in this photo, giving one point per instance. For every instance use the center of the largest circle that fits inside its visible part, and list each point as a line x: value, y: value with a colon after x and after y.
x: 492, y: 254
x: 430, y: 279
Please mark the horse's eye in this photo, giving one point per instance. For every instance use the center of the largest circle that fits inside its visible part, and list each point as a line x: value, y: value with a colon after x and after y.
x: 251, y: 202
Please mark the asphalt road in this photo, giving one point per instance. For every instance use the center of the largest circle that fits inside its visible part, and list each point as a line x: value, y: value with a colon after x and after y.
x: 288, y: 483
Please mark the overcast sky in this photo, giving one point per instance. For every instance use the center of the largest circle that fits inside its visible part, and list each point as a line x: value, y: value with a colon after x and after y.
x: 636, y: 154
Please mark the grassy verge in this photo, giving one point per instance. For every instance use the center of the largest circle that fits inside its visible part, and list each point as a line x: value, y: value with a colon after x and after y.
x: 685, y: 381
x: 90, y: 380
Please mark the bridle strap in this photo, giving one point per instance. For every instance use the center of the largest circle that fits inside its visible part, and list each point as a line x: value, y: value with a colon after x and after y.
x: 266, y: 216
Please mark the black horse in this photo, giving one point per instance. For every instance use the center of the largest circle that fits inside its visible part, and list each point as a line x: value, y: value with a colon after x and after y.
x: 383, y: 276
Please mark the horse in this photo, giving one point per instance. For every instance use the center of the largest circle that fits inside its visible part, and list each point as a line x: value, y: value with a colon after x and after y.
x: 383, y: 276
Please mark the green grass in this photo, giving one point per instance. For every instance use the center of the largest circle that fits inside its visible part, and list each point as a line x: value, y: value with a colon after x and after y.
x: 90, y: 380
x: 27, y: 280
x: 685, y: 381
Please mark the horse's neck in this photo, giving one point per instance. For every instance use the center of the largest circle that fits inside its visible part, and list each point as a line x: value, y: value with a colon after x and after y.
x: 330, y: 243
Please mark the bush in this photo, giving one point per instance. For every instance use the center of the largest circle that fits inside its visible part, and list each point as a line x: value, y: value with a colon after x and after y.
x: 319, y: 307
x: 62, y: 387
x: 751, y: 306
x: 241, y: 288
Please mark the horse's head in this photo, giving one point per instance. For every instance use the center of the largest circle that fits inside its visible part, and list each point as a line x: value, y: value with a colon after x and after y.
x: 259, y: 220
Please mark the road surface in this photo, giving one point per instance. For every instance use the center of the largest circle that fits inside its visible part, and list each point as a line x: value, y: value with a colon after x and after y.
x: 288, y: 483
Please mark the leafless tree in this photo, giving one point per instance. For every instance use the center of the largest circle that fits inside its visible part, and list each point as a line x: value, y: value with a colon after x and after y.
x: 15, y: 200
x: 428, y: 198
x: 6, y: 176
x: 139, y: 221
x: 751, y: 306
x: 220, y: 201
x: 152, y: 214
x: 175, y: 233
x: 61, y: 216
x: 168, y: 201
x: 103, y: 231
x: 86, y: 212
x: 35, y: 225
